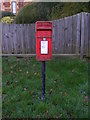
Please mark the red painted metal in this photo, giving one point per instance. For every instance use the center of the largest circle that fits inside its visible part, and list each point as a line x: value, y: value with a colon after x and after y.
x: 44, y: 30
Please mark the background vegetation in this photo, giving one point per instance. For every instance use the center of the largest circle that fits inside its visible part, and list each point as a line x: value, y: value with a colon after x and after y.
x: 6, y: 13
x: 50, y: 11
x: 7, y: 17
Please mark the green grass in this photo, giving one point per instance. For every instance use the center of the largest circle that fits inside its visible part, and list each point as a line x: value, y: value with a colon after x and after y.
x: 66, y: 88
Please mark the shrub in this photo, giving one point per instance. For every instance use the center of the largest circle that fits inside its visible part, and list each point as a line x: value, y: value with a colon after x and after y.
x: 6, y: 13
x: 49, y: 11
x: 7, y: 19
x: 35, y: 12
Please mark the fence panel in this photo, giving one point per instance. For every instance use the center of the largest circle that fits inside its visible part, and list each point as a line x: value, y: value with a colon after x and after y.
x: 70, y: 36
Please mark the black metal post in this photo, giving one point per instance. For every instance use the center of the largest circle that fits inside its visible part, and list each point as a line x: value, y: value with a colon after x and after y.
x: 43, y: 80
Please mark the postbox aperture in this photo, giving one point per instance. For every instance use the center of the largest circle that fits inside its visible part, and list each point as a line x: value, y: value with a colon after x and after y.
x: 43, y: 40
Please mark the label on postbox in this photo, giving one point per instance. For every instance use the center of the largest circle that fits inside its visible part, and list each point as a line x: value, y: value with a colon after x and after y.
x: 44, y: 47
x: 44, y: 30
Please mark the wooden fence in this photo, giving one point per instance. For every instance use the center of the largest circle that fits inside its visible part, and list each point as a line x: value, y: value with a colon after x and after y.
x: 70, y: 36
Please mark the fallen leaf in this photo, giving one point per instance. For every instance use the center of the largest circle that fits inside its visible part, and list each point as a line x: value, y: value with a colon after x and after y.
x: 27, y: 72
x: 38, y: 116
x: 31, y: 92
x: 3, y: 114
x: 7, y: 116
x: 50, y: 91
x: 28, y: 76
x: 12, y: 98
x: 35, y: 73
x: 20, y: 70
x: 15, y: 73
x: 71, y: 82
x: 86, y: 97
x: 65, y: 93
x: 55, y: 81
x: 73, y: 71
x: 11, y: 71
x: 11, y: 67
x: 47, y: 113
x: 33, y: 65
x: 84, y: 100
x: 61, y: 93
x: 25, y: 89
x: 8, y: 83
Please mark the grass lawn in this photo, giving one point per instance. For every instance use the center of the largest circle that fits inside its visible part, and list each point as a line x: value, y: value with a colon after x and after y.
x: 66, y: 88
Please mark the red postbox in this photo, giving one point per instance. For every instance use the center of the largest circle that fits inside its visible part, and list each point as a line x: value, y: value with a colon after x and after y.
x: 44, y: 30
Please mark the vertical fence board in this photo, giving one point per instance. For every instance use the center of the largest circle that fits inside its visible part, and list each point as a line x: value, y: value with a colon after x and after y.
x: 24, y: 44
x: 65, y: 35
x: 54, y: 37
x: 82, y: 34
x: 86, y: 34
x: 89, y: 35
x: 74, y: 34
x: 78, y: 34
x: 56, y: 32
x: 69, y: 35
x: 17, y: 40
x: 19, y: 36
x: 26, y: 38
x: 14, y: 40
x: 60, y: 37
x: 5, y: 37
x: 33, y: 38
x: 22, y: 39
x: 9, y: 39
x: 0, y: 38
x: 29, y: 39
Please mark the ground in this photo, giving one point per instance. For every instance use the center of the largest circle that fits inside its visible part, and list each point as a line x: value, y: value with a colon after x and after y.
x: 66, y: 88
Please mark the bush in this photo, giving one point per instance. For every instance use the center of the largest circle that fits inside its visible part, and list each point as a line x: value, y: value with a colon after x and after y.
x: 7, y: 19
x: 6, y: 13
x: 50, y: 11
x: 35, y: 12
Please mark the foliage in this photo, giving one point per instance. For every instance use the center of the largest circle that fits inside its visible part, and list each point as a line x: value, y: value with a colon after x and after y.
x: 6, y: 13
x: 7, y: 19
x: 74, y: 8
x: 66, y: 88
x: 35, y: 11
x: 50, y: 11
